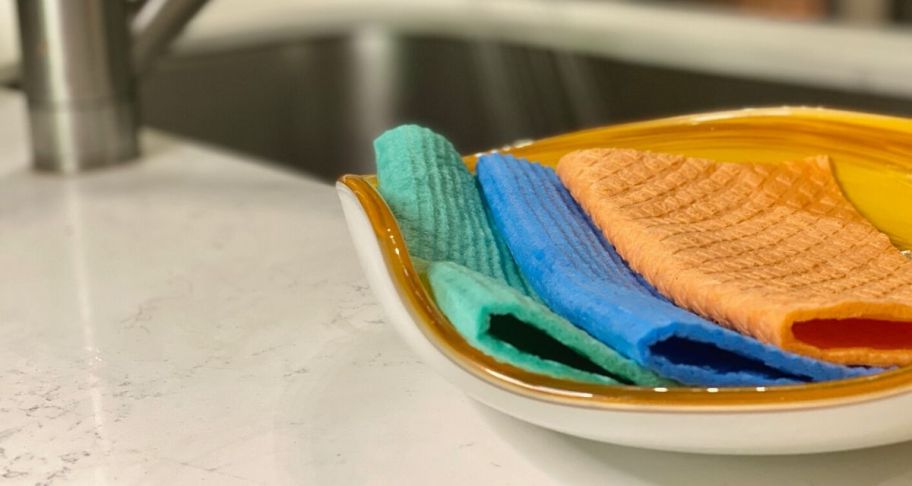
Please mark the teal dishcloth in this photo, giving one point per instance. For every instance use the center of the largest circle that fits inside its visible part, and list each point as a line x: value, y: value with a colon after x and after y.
x: 503, y: 323
x: 439, y: 208
x: 438, y: 204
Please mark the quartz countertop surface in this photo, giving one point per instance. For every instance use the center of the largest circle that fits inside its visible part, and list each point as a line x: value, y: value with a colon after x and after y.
x: 199, y: 318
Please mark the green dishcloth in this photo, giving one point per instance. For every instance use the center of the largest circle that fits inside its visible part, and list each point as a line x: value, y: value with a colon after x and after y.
x: 510, y: 326
x: 442, y: 217
x: 438, y: 204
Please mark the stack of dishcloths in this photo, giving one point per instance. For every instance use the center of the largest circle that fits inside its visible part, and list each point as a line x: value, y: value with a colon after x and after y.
x: 474, y: 279
x: 539, y: 276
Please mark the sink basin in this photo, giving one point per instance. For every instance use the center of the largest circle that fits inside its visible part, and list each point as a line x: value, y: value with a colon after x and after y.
x: 314, y: 104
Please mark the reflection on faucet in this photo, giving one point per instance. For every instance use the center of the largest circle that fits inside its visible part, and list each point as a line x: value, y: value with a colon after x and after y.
x: 83, y: 295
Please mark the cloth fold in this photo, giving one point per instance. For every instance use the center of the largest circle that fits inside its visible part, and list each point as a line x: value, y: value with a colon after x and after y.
x: 580, y: 276
x: 474, y: 279
x: 503, y: 323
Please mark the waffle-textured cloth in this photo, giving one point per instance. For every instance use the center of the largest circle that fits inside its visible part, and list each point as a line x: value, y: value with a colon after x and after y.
x: 774, y: 251
x: 578, y: 274
x: 443, y: 219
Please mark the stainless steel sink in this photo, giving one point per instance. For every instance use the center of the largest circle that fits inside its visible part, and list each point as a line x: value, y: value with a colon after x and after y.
x: 315, y: 104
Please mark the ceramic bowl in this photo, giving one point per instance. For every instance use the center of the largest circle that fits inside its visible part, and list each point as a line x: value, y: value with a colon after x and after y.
x: 873, y: 159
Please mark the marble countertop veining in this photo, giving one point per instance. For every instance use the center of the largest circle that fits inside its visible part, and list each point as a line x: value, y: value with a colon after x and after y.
x: 197, y: 318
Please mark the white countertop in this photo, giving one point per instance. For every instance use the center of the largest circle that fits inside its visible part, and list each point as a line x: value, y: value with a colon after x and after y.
x: 198, y: 318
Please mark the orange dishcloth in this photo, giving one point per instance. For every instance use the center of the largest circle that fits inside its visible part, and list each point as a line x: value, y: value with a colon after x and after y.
x: 773, y: 251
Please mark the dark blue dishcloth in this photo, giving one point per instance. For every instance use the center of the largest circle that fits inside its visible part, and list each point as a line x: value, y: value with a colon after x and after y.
x: 576, y: 272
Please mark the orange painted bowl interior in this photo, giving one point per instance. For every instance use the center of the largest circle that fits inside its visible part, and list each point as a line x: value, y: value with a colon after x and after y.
x: 872, y: 156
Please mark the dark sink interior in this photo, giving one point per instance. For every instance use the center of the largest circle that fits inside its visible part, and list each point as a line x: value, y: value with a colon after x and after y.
x: 315, y: 104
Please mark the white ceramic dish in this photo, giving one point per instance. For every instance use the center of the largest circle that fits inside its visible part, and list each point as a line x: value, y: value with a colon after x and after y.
x: 831, y: 416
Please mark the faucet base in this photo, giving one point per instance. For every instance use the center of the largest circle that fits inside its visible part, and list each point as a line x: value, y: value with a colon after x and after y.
x: 70, y: 138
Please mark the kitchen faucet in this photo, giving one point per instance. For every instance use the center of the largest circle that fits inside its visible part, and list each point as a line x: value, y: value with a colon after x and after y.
x: 79, y: 61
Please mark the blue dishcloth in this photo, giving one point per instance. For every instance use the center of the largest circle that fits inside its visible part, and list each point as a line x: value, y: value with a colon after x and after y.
x: 576, y: 272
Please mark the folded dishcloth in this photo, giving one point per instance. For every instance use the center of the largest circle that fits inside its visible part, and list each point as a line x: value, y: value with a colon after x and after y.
x: 771, y: 250
x: 443, y: 219
x: 577, y: 273
x: 436, y: 202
